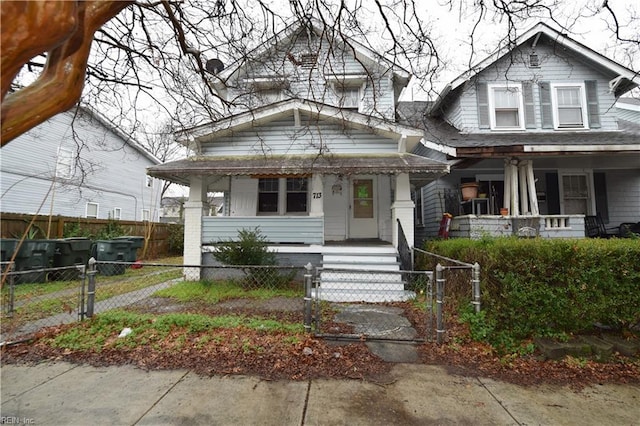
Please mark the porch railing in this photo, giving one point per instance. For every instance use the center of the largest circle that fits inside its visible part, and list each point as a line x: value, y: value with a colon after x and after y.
x: 275, y: 229
x: 404, y: 251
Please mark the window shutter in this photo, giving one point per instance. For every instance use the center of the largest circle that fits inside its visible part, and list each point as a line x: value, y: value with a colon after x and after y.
x: 545, y: 105
x: 600, y: 191
x: 592, y: 103
x: 553, y: 193
x: 529, y: 107
x: 483, y: 105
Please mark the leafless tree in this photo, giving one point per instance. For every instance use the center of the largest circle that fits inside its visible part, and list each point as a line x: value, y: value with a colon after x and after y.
x: 132, y: 56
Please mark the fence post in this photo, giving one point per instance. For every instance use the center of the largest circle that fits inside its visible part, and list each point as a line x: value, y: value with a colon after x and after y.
x: 83, y: 277
x: 475, y: 282
x: 307, y: 298
x: 439, y: 303
x: 11, y: 282
x: 91, y: 290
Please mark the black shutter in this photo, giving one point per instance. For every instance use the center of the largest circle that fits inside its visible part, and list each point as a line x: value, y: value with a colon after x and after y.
x: 600, y: 190
x: 592, y: 103
x: 482, y: 96
x: 545, y: 105
x: 529, y: 107
x: 553, y: 193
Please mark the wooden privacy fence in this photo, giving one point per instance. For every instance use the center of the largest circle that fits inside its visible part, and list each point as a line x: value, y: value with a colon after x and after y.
x: 14, y: 226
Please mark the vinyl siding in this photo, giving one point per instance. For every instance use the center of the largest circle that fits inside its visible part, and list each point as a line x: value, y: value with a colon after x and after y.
x: 316, y: 83
x: 556, y: 67
x: 114, y: 172
x: 281, y: 137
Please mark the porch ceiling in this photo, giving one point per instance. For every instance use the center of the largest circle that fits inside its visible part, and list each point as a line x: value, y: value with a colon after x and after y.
x: 420, y: 168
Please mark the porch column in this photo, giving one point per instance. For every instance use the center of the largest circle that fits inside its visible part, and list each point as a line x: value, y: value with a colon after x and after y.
x: 402, y: 209
x: 511, y: 196
x: 520, y: 187
x: 193, y: 212
x: 316, y: 207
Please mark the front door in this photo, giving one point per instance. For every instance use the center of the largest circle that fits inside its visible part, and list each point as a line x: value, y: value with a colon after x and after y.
x: 363, y: 218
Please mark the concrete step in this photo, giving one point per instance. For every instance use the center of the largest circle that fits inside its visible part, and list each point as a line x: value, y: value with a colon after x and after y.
x: 362, y: 286
x: 372, y: 296
x: 366, y: 277
x: 359, y: 249
x: 361, y: 266
x: 353, y: 258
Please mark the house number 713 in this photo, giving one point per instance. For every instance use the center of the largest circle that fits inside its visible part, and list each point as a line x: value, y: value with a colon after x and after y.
x: 317, y: 195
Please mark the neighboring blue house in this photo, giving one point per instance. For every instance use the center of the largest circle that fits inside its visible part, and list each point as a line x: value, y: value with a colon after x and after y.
x: 536, y: 128
x: 78, y: 164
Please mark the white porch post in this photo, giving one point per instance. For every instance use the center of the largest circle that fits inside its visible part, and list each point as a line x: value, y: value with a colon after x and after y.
x: 193, y: 212
x: 511, y: 196
x: 524, y: 195
x: 531, y: 185
x: 402, y: 209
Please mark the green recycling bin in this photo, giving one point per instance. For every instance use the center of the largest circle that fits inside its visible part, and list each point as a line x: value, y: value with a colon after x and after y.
x: 136, y: 243
x: 33, y: 255
x: 112, y: 251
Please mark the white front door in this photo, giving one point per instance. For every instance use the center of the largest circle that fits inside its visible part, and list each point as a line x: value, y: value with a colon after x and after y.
x: 363, y: 217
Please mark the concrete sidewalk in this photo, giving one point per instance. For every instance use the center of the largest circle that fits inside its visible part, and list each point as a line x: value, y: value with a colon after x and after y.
x: 412, y: 394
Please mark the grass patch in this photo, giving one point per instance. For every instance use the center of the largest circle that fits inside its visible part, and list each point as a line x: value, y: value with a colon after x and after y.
x: 216, y: 291
x: 101, y: 332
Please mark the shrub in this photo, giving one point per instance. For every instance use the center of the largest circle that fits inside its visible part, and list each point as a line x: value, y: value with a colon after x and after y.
x: 552, y: 287
x: 175, y: 239
x: 251, y: 250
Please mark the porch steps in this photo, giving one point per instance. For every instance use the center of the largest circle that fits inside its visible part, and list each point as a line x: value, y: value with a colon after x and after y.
x: 362, y: 274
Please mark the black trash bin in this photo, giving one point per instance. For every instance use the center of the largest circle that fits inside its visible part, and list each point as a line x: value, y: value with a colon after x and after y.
x: 32, y: 255
x: 7, y: 248
x: 70, y: 252
x: 111, y: 251
x: 136, y: 243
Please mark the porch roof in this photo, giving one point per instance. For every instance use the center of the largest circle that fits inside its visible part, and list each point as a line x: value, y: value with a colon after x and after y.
x: 444, y: 138
x: 420, y: 168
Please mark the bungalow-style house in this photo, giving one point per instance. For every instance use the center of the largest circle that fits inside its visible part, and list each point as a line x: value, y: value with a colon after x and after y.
x: 78, y: 164
x: 311, y: 154
x: 532, y: 130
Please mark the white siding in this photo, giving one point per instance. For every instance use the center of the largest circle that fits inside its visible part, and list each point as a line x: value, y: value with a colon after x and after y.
x: 114, y: 172
x: 335, y: 208
x: 283, y: 137
x: 277, y: 69
x: 244, y: 196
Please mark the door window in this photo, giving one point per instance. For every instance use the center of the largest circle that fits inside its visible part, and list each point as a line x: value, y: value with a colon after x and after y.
x: 363, y: 199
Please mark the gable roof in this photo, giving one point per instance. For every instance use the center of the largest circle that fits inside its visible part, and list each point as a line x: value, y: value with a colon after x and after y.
x: 361, y: 52
x: 624, y: 81
x: 109, y: 125
x: 194, y: 137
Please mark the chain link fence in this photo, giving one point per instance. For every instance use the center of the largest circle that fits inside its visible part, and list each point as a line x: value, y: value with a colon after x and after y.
x: 375, y: 305
x: 48, y: 297
x: 456, y: 283
x: 385, y: 305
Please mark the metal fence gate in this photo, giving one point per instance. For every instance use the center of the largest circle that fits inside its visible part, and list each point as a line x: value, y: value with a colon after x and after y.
x: 374, y: 305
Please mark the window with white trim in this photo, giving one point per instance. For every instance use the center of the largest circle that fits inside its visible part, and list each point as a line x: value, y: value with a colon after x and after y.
x: 348, y: 95
x: 117, y: 213
x: 146, y: 215
x: 91, y: 210
x: 280, y: 196
x: 569, y: 106
x: 506, y: 108
x: 64, y: 163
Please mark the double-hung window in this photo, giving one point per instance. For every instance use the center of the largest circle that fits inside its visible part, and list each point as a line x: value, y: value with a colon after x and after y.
x: 91, y: 210
x: 64, y: 163
x: 281, y: 196
x: 570, y: 106
x: 506, y: 109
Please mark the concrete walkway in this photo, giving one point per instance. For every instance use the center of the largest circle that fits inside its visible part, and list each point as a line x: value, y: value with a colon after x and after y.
x: 412, y: 394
